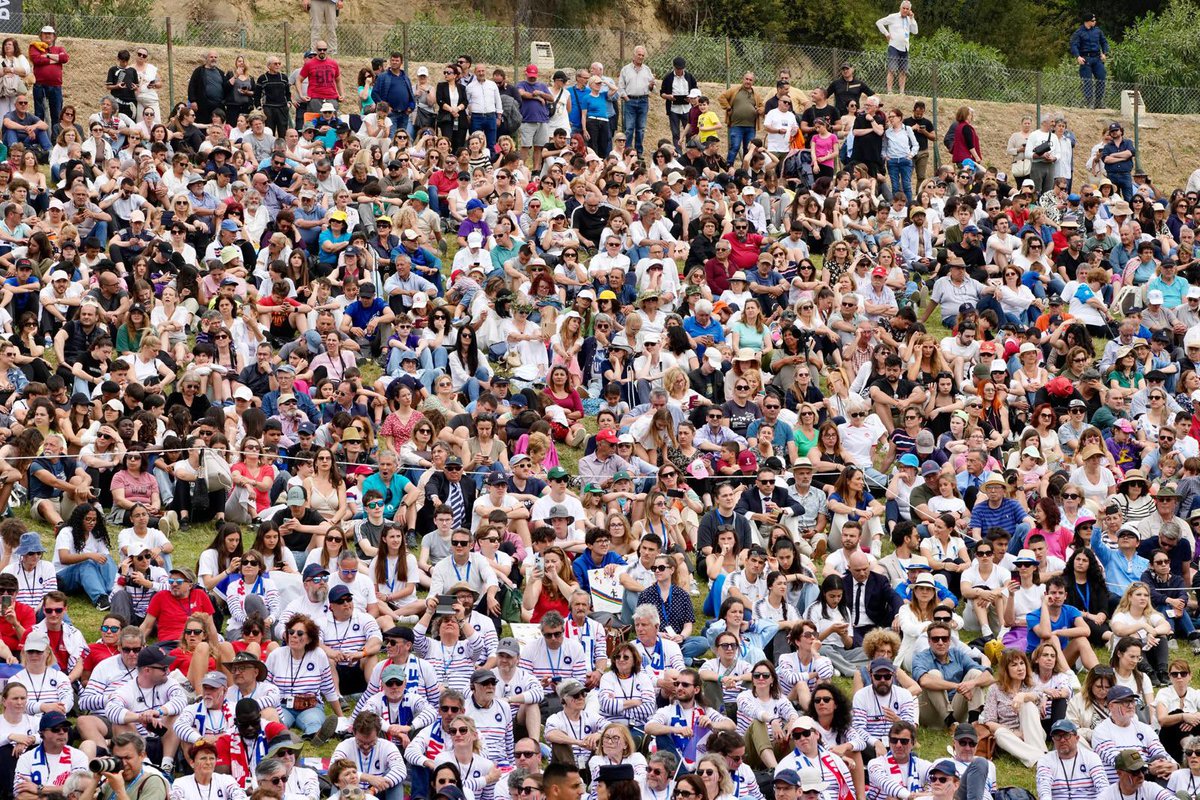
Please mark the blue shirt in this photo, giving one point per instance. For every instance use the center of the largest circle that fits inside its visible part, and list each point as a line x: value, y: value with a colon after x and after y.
x: 694, y: 329
x: 958, y: 664
x: 584, y: 562
x: 595, y: 105
x: 783, y: 432
x: 1119, y: 571
x: 1008, y: 516
x: 1065, y: 620
x: 1118, y: 167
x: 393, y: 493
x: 361, y: 314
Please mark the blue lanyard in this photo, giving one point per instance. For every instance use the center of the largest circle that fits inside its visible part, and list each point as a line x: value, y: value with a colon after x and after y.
x: 364, y: 768
x: 550, y: 659
x: 459, y: 575
x: 657, y: 659
x: 257, y: 588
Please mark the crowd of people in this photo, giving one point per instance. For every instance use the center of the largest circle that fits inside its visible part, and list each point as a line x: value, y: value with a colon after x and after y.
x: 546, y: 458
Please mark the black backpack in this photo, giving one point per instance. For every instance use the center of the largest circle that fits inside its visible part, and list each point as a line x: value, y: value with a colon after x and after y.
x: 948, y: 139
x: 511, y: 123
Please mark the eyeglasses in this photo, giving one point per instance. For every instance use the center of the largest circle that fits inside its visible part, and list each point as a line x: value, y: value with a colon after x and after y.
x: 662, y: 567
x: 130, y: 650
x: 742, y: 388
x: 1179, y: 674
x: 825, y: 698
x: 298, y: 632
x: 278, y: 779
x: 983, y: 552
x: 460, y: 543
x: 526, y: 753
x: 1070, y: 496
x: 900, y: 739
x: 1191, y: 752
x: 858, y: 415
x: 939, y: 779
x: 800, y: 734
x: 49, y: 610
x: 108, y: 628
x: 882, y: 676
x: 939, y: 638
x: 706, y: 773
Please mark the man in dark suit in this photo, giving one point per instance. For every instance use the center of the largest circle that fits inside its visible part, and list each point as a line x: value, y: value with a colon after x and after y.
x: 448, y: 487
x: 869, y: 598
x: 766, y: 504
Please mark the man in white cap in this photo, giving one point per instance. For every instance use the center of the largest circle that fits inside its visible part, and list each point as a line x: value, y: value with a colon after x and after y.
x: 210, y: 716
x: 61, y: 295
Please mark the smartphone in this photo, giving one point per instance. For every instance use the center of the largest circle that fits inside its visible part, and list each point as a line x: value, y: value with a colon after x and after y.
x: 6, y: 602
x: 675, y: 493
x: 539, y: 563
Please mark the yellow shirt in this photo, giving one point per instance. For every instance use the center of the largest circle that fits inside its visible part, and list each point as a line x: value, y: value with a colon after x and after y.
x: 708, y: 124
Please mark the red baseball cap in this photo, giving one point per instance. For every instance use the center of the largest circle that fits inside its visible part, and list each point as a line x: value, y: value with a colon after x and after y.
x: 607, y: 435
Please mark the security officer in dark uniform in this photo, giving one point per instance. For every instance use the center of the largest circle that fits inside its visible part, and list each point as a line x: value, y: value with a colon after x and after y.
x: 1089, y: 45
x: 847, y: 87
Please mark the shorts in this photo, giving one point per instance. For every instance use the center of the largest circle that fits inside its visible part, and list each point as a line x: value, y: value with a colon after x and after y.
x: 535, y: 134
x: 897, y: 60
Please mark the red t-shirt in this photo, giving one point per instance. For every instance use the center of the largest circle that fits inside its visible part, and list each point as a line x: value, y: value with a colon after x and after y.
x: 60, y: 651
x: 322, y: 78
x: 98, y: 651
x: 171, y: 613
x: 27, y: 617
x: 183, y: 661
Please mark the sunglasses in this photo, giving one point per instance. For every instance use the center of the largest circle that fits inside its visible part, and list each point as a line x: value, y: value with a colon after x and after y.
x: 194, y: 632
x: 900, y: 740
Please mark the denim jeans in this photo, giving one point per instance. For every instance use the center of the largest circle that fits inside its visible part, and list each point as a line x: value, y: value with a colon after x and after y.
x: 432, y: 357
x: 1092, y: 75
x: 400, y: 122
x: 637, y: 109
x: 94, y: 579
x: 487, y: 124
x: 739, y: 140
x: 47, y: 100
x: 37, y: 138
x: 1124, y: 183
x: 308, y: 722
x: 900, y: 174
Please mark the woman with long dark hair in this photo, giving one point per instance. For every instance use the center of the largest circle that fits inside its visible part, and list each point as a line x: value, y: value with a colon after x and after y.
x: 1087, y: 591
x: 468, y: 373
x: 833, y: 626
x: 81, y: 556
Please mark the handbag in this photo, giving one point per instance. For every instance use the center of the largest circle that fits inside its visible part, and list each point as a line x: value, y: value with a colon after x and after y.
x: 1021, y: 168
x: 303, y: 702
x: 1042, y: 148
x: 11, y: 85
x: 215, y: 471
x: 987, y: 742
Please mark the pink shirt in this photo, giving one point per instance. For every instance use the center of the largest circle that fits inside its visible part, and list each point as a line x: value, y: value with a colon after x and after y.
x: 139, y: 489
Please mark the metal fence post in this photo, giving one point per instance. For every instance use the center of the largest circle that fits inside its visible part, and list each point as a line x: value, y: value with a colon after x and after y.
x: 516, y: 50
x: 1137, y: 127
x: 1038, y: 97
x: 170, y: 63
x: 287, y: 47
x: 933, y: 86
x: 621, y: 45
x: 727, y: 70
x: 242, y: 37
x: 404, y: 43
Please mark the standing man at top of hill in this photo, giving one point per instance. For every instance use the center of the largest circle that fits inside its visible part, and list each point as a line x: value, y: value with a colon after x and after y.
x: 323, y: 14
x: 846, y: 87
x: 898, y: 29
x: 324, y: 76
x: 47, y: 58
x: 634, y: 85
x: 1089, y: 45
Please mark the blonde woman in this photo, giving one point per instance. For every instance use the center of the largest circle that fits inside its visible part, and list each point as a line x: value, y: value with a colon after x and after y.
x: 1136, y: 617
x: 616, y: 747
x: 714, y: 774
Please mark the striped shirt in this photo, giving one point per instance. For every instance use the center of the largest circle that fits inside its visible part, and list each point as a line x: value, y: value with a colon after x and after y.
x: 1109, y: 739
x: 568, y: 661
x: 740, y: 667
x: 474, y: 774
x: 350, y: 635
x: 109, y: 675
x: 591, y: 637
x: 131, y: 699
x: 487, y: 632
x: 791, y: 672
x: 494, y: 725
x: 139, y: 596
x: 834, y: 771
x: 382, y: 760
x: 1008, y: 516
x: 51, y: 686
x: 421, y: 678
x: 614, y: 691
x: 751, y: 709
x: 33, y: 586
x: 1081, y: 777
x: 198, y: 721
x: 885, y: 779
x: 426, y: 745
x: 589, y: 722
x: 867, y: 711
x: 310, y: 674
x: 419, y: 715
x: 266, y: 694
x: 42, y: 769
x: 237, y: 591
x: 226, y: 788
x: 522, y: 687
x: 453, y: 664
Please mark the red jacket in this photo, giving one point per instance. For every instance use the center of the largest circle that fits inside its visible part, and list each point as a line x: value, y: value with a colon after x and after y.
x: 27, y: 617
x: 45, y: 71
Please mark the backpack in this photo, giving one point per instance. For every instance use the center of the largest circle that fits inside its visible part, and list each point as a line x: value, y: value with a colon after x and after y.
x: 948, y: 139
x: 511, y: 123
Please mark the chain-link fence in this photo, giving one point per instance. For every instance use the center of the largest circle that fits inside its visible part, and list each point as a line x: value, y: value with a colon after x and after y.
x: 710, y: 59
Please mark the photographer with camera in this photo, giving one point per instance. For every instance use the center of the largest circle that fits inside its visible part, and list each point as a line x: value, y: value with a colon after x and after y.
x: 136, y: 779
x: 42, y: 770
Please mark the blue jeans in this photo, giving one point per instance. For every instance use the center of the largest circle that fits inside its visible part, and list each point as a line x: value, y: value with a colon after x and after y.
x: 308, y: 722
x: 637, y: 109
x: 432, y: 357
x: 400, y: 122
x: 487, y: 124
x: 47, y: 96
x: 1039, y: 289
x: 37, y: 138
x: 1123, y: 181
x: 1092, y: 75
x: 900, y: 174
x: 434, y: 203
x: 693, y: 647
x: 93, y: 579
x: 739, y: 140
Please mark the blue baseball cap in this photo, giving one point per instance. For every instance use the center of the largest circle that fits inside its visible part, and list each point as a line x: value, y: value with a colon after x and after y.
x: 338, y: 592
x: 909, y: 460
x: 475, y: 204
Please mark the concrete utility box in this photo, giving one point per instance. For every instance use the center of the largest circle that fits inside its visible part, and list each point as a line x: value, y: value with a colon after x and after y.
x: 1127, y: 99
x: 541, y: 54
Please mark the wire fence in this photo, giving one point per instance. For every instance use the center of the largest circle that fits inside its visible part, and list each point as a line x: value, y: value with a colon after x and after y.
x: 710, y: 59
